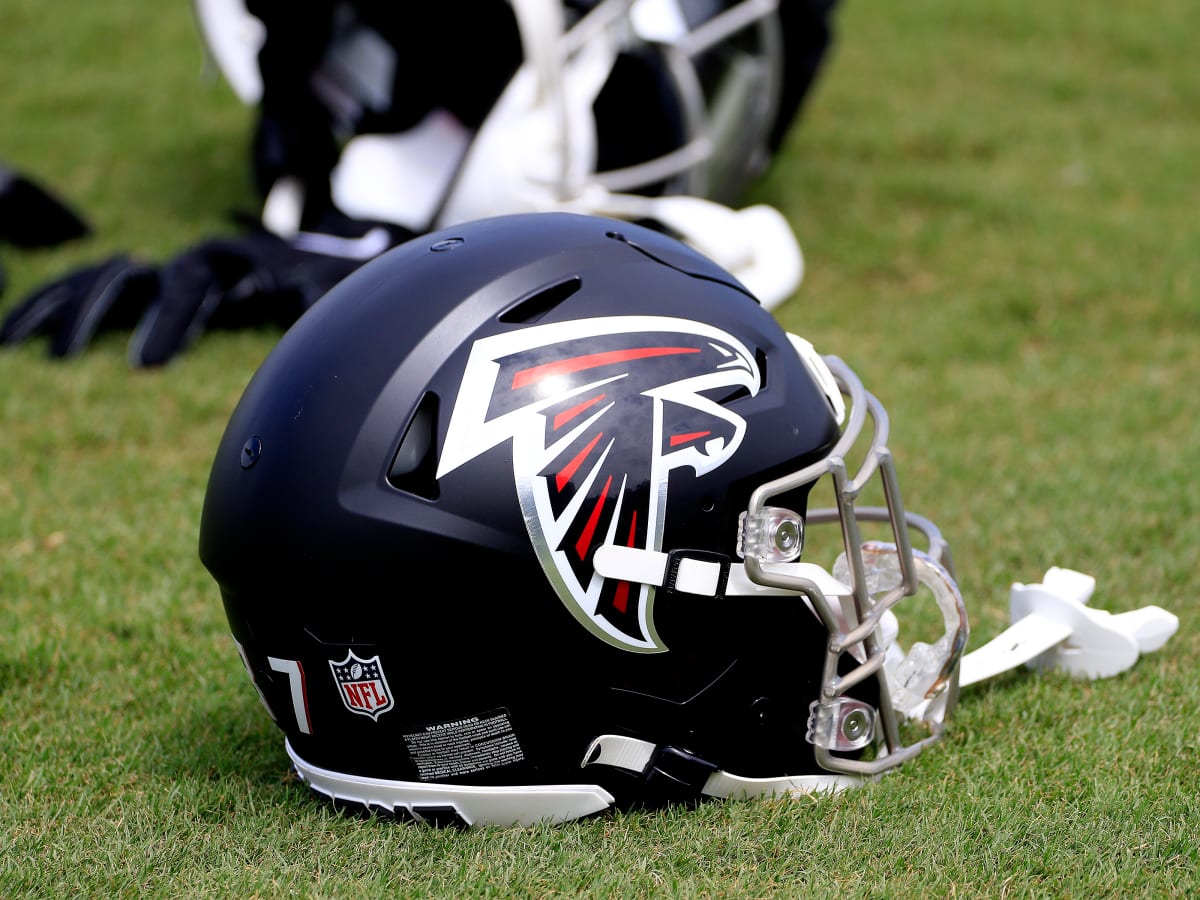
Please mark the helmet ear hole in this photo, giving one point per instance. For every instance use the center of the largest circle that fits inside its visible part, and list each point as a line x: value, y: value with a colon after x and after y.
x: 415, y: 461
x: 760, y: 359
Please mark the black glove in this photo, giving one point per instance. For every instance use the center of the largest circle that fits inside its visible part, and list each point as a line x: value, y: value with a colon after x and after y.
x: 74, y: 309
x: 255, y: 281
x: 252, y: 281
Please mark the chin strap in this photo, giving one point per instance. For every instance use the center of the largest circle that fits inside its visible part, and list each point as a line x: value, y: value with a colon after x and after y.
x: 675, y: 774
x: 1054, y: 628
x: 703, y: 573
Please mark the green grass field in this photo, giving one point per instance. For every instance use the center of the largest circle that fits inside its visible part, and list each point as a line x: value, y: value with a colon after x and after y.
x: 1000, y: 210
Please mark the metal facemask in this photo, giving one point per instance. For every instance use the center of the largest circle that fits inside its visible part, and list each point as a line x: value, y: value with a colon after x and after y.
x: 855, y: 601
x: 869, y: 579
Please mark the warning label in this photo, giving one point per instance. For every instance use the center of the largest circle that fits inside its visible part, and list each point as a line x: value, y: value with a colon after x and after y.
x: 462, y: 746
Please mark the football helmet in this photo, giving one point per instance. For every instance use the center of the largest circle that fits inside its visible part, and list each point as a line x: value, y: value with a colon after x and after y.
x: 509, y: 528
x: 638, y: 109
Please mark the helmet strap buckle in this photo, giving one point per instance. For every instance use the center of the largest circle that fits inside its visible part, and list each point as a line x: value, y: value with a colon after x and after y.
x: 691, y: 572
x: 675, y: 776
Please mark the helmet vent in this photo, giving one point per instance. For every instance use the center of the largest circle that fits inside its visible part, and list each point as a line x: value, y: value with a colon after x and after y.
x: 536, y: 305
x: 415, y: 462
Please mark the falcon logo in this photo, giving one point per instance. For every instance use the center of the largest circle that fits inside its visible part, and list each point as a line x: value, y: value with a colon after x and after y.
x: 599, y: 412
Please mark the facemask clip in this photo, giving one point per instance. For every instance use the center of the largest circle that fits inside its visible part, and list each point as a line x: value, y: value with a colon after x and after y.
x: 841, y: 724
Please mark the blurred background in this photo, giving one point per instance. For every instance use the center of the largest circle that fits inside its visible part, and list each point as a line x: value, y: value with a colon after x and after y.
x: 997, y: 205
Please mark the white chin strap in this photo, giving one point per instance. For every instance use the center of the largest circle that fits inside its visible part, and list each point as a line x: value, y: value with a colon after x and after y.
x: 1054, y: 628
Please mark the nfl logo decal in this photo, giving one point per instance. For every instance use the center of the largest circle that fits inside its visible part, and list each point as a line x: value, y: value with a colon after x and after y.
x: 362, y: 685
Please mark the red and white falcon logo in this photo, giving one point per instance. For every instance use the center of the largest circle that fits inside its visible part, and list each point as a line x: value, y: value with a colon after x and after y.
x: 599, y: 411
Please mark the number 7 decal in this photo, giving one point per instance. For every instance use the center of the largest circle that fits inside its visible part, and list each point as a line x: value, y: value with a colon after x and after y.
x: 295, y: 674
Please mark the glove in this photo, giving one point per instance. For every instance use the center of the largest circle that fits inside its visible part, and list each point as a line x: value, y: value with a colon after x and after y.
x: 256, y: 280
x: 74, y: 309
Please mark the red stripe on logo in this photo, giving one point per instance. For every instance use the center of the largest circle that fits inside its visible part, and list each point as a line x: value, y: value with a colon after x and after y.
x: 621, y: 599
x: 569, y: 414
x: 578, y: 363
x: 561, y: 479
x: 585, y: 539
x: 677, y: 439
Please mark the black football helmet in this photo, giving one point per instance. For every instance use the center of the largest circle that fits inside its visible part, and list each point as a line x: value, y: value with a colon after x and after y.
x: 508, y: 528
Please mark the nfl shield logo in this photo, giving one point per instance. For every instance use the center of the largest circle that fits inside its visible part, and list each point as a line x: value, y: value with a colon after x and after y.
x: 362, y: 685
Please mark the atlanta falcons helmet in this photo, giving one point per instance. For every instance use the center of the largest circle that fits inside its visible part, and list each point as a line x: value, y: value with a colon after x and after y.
x: 514, y: 525
x: 638, y: 109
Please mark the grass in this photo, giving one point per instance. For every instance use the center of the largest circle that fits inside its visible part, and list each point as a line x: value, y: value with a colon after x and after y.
x: 998, y: 209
